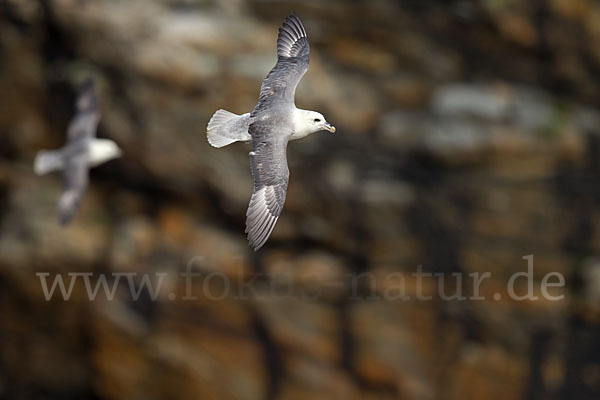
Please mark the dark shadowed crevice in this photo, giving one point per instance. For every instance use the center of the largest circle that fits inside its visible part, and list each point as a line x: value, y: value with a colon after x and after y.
x: 346, y: 339
x: 56, y: 50
x: 56, y: 46
x: 578, y: 188
x: 540, y: 343
x: 4, y: 200
x: 8, y: 14
x: 577, y: 185
x: 348, y: 360
x: 272, y: 355
x: 358, y: 262
x: 437, y: 194
x: 582, y: 356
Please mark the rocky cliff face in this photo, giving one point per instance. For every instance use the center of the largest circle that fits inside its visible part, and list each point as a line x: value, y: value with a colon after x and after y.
x: 467, y: 139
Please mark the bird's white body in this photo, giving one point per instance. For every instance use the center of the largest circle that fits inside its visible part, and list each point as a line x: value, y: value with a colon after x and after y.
x: 99, y: 150
x: 225, y: 127
x: 103, y: 150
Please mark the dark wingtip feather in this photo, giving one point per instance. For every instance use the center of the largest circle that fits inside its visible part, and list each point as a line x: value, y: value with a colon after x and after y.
x: 88, y: 83
x: 261, y: 217
x: 292, y: 40
x: 68, y: 205
x: 65, y: 218
x: 86, y: 98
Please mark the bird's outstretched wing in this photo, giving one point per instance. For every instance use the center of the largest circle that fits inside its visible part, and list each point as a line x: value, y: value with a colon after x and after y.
x: 270, y: 172
x: 82, y: 130
x: 293, y: 54
x: 87, y: 113
x: 75, y: 176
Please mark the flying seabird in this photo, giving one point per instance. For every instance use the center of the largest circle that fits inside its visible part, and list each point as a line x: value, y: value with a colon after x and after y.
x: 82, y: 151
x: 274, y: 121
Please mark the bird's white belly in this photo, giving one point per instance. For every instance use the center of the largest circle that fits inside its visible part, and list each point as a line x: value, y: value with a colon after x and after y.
x: 101, y: 150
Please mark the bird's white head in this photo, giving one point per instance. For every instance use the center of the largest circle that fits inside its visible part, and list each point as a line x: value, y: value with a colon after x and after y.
x: 307, y: 122
x: 102, y: 150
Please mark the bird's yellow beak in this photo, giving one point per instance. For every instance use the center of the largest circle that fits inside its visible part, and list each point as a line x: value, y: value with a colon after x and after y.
x: 330, y: 127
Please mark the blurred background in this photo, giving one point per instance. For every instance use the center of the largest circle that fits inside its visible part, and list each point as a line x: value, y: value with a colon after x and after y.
x: 468, y: 137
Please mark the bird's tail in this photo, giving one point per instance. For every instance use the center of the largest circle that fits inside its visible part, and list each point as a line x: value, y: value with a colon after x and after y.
x: 226, y: 127
x: 47, y: 161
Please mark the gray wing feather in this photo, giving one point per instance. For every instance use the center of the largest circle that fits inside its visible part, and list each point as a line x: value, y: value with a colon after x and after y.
x: 271, y: 175
x: 293, y: 55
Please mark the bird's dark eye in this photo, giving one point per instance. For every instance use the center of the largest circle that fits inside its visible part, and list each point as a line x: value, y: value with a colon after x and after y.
x: 317, y: 120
